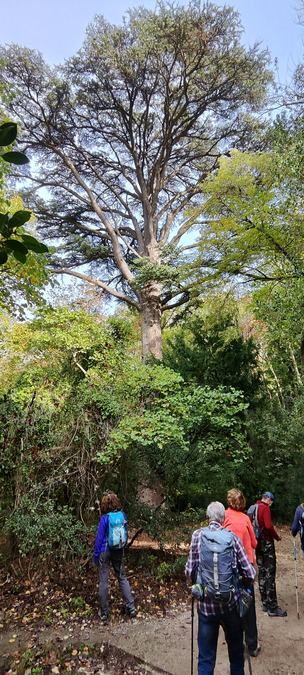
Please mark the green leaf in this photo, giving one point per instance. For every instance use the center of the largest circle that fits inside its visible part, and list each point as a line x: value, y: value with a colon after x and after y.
x: 19, y: 218
x: 4, y: 218
x: 5, y: 231
x: 15, y: 245
x: 8, y: 133
x: 3, y: 256
x: 20, y: 256
x: 33, y: 244
x: 15, y: 157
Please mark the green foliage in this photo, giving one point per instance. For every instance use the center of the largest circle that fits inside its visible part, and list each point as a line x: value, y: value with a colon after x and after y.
x: 167, y: 570
x: 80, y: 412
x: 277, y: 440
x: 22, y: 257
x: 9, y: 228
x: 254, y: 209
x: 42, y: 528
x: 11, y: 240
x: 219, y: 451
x: 77, y: 603
x: 280, y: 308
x: 28, y: 660
x: 208, y: 348
x: 8, y: 134
x: 21, y: 284
x: 165, y: 271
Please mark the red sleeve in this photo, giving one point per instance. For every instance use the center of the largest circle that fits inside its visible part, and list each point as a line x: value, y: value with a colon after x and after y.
x: 253, y: 540
x: 266, y: 523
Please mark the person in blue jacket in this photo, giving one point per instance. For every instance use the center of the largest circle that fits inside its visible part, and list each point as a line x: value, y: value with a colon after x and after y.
x: 104, y: 554
x: 298, y: 524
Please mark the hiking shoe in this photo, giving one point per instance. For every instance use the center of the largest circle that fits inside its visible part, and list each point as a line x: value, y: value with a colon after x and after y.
x: 277, y: 612
x: 104, y: 617
x: 254, y: 652
x: 132, y: 613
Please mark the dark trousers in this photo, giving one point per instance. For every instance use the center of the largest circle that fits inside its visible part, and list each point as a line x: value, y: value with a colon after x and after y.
x: 208, y: 630
x: 116, y: 560
x: 266, y: 561
x: 250, y: 626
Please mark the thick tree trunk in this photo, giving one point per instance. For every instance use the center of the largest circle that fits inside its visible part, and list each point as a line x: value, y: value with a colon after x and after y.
x: 151, y: 322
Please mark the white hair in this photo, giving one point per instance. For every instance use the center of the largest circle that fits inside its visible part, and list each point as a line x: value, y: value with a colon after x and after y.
x: 216, y: 511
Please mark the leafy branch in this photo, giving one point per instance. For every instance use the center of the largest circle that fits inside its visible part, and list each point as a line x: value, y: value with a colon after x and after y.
x: 12, y: 240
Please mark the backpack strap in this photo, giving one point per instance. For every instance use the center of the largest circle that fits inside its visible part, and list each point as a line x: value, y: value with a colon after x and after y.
x: 216, y: 571
x: 301, y: 521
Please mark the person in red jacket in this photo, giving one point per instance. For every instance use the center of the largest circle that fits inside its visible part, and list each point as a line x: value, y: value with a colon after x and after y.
x: 240, y: 524
x: 266, y: 556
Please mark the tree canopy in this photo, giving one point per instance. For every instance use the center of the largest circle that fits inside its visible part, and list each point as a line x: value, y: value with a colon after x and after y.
x: 253, y: 205
x: 124, y: 133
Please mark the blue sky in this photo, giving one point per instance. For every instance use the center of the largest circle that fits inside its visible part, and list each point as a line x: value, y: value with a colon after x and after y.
x: 57, y: 27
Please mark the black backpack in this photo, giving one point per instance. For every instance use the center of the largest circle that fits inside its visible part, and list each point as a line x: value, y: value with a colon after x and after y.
x: 301, y: 522
x: 253, y: 515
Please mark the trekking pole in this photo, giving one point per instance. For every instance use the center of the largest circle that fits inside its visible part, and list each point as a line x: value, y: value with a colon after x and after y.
x: 249, y: 660
x: 192, y: 630
x: 295, y: 553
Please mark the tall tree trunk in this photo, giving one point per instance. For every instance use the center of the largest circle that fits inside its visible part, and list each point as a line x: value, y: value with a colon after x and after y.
x: 295, y: 366
x: 151, y: 321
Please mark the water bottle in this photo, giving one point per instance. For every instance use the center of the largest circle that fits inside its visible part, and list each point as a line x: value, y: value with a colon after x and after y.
x: 197, y: 591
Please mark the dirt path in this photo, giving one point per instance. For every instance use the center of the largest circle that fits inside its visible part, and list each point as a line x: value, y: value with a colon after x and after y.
x: 164, y: 644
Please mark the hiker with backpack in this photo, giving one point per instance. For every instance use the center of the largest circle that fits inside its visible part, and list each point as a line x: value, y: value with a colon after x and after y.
x: 266, y: 556
x: 240, y: 524
x: 111, y: 539
x: 216, y: 561
x: 298, y: 524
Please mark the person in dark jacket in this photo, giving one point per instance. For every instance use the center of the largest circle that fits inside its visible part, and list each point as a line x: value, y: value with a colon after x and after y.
x: 103, y: 556
x: 298, y: 524
x: 266, y: 557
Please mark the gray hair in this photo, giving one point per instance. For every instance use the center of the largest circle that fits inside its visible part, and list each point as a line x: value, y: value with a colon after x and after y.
x: 216, y: 511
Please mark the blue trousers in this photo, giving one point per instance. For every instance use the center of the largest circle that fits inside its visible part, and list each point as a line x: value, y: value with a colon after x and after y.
x: 208, y: 630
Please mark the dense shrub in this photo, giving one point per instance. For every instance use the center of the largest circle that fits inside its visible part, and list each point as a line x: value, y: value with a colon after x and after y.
x: 80, y: 412
x: 47, y: 529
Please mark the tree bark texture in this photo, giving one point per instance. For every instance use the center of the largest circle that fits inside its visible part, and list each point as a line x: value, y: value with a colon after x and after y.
x: 151, y: 322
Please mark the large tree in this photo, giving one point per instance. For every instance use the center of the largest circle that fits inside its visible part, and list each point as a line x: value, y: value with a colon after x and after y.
x: 124, y: 133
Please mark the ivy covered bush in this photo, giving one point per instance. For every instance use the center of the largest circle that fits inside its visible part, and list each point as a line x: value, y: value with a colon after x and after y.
x: 81, y: 413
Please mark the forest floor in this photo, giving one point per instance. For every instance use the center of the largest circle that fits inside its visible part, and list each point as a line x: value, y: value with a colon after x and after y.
x: 49, y: 623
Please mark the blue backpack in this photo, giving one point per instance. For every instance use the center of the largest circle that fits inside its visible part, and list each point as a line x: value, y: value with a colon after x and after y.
x: 118, y: 531
x: 217, y: 570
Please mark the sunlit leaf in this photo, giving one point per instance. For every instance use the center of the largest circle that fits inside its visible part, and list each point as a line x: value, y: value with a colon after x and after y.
x: 19, y: 218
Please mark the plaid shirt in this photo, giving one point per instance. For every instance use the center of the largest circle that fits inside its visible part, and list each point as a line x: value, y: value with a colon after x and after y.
x: 207, y: 606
